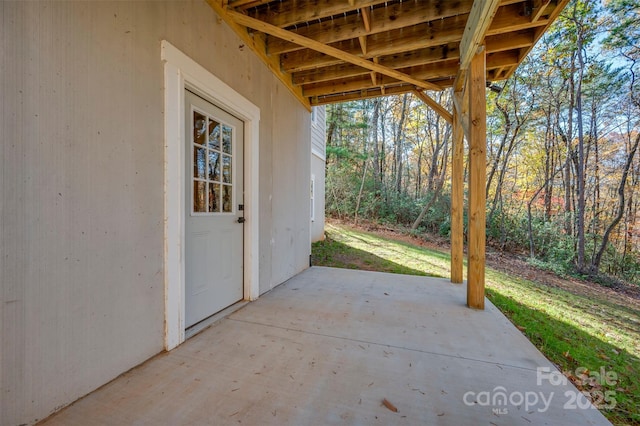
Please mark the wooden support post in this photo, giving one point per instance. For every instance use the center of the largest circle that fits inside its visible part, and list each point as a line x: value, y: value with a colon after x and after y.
x: 476, y: 85
x: 457, y: 193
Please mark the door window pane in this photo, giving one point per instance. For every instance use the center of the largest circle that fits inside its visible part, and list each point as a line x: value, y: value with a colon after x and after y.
x: 226, y: 169
x: 214, y: 166
x: 199, y: 128
x: 199, y: 196
x: 214, y: 197
x: 226, y: 139
x: 214, y: 135
x: 199, y: 163
x: 212, y: 148
x: 227, y: 198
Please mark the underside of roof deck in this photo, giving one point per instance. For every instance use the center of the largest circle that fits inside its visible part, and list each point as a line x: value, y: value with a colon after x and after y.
x: 330, y: 51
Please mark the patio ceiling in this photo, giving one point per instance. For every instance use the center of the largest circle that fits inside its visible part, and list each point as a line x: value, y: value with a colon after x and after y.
x: 328, y: 51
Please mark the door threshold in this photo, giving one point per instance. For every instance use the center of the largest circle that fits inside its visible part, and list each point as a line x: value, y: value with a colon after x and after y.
x: 208, y: 322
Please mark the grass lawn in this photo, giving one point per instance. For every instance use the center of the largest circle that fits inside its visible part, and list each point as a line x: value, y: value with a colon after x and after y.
x: 581, y: 328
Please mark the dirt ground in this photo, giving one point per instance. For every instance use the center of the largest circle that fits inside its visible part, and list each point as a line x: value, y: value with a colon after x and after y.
x: 625, y: 294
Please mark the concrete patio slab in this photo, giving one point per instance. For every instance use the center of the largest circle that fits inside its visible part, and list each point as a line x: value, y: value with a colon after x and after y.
x: 328, y: 346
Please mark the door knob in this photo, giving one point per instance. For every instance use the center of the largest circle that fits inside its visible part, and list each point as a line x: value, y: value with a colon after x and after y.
x: 241, y: 220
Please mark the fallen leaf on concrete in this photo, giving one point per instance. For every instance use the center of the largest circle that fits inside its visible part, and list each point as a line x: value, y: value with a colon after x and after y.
x: 389, y: 405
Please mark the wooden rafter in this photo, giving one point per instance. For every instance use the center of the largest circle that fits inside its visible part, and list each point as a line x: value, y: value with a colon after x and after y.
x: 405, y: 15
x: 538, y: 9
x: 420, y: 69
x: 480, y: 19
x: 283, y: 14
x: 418, y: 37
x: 333, y: 50
x: 257, y: 44
x: 363, y: 44
x: 327, y: 50
x: 446, y: 28
x: 366, y: 18
x: 369, y: 93
x: 442, y: 112
x: 552, y: 11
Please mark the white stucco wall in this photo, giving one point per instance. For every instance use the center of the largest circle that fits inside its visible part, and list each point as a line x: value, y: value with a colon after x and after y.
x: 81, y: 188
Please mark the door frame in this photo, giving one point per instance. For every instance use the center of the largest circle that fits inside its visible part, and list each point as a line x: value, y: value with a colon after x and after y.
x: 180, y: 73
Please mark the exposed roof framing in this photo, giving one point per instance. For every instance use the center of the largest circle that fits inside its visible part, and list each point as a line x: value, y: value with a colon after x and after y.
x: 329, y: 51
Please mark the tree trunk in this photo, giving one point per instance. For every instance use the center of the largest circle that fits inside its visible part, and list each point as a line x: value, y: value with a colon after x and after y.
x: 568, y: 189
x: 496, y: 160
x: 548, y: 166
x: 529, y: 215
x: 595, y: 263
x: 364, y: 175
x: 398, y: 144
x: 501, y: 174
x: 580, y: 166
x: 374, y: 140
x: 596, y: 177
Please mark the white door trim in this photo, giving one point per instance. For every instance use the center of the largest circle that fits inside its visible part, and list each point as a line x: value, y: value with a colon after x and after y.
x: 181, y: 72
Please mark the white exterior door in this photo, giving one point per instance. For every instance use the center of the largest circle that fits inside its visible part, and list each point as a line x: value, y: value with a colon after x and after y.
x: 214, y: 209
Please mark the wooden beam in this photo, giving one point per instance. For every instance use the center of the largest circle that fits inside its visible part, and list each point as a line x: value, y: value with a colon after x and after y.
x: 480, y: 18
x: 506, y: 17
x: 439, y: 109
x: 477, y: 180
x: 242, y: 3
x: 345, y: 71
x: 358, y: 82
x: 366, y: 18
x: 510, y: 41
x: 327, y: 50
x: 284, y: 14
x: 374, y: 75
x: 344, y: 78
x: 370, y: 93
x: 424, y: 36
x: 257, y: 44
x: 363, y: 44
x: 457, y: 192
x: 309, y: 60
x: 556, y: 9
x: 288, y: 13
x: 461, y: 103
x: 539, y: 6
x: 401, y: 16
x: 436, y: 69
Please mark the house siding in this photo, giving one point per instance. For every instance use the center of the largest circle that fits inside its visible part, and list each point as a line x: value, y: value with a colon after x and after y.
x: 318, y: 163
x: 81, y: 188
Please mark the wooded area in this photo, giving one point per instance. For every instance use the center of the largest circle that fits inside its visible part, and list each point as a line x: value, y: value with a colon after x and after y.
x: 563, y: 172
